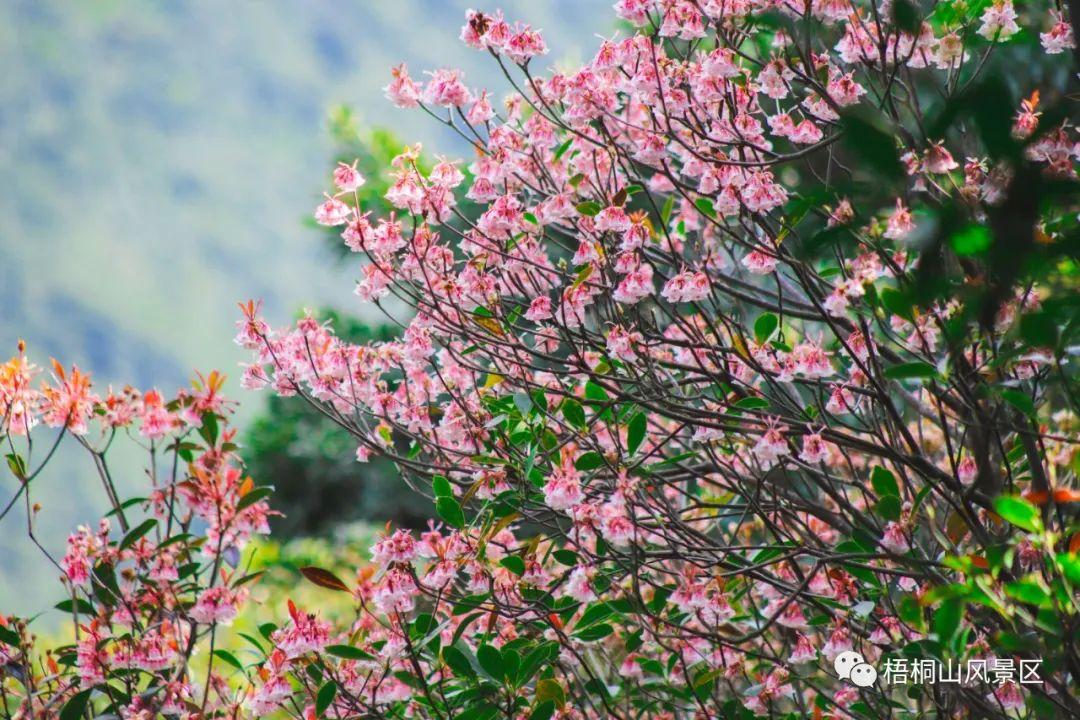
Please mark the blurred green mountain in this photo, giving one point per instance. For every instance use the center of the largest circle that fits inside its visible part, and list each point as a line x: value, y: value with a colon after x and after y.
x: 157, y: 161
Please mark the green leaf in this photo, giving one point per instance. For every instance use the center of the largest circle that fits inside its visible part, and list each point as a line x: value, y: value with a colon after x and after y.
x: 480, y: 711
x: 1027, y: 590
x: 81, y: 605
x: 490, y: 659
x: 873, y: 144
x: 543, y: 710
x: 589, y: 461
x: 947, y: 618
x: 595, y: 392
x: 972, y: 240
x: 665, y: 214
x: 450, y: 511
x: 209, y: 429
x: 765, y: 326
x: 1019, y: 512
x: 548, y: 689
x: 884, y: 482
x: 561, y: 150
x: 441, y: 487
x: 910, y: 370
x: 514, y: 564
x: 229, y: 658
x: 511, y: 663
x: 326, y: 695
x: 17, y: 465
x: 705, y: 207
x: 137, y: 532
x: 456, y: 661
x: 752, y: 403
x: 888, y: 507
x: 589, y: 207
x: 1069, y: 563
x: 898, y: 303
x: 635, y: 432
x: 76, y: 706
x: 574, y: 413
x: 253, y: 496
x: 523, y: 403
x: 1020, y: 401
x: 1039, y: 329
x: 594, y: 614
x: 348, y: 652
x: 594, y: 632
x: 906, y: 17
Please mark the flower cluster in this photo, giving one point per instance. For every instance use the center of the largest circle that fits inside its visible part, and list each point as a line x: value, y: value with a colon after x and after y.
x: 684, y: 457
x: 143, y: 595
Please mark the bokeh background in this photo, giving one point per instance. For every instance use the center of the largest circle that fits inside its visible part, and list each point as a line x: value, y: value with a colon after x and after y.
x: 158, y: 163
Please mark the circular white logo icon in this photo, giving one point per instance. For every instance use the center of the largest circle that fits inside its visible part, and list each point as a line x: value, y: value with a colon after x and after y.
x: 850, y: 665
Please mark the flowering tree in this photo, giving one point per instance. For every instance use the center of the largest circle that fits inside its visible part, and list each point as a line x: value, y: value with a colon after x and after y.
x: 738, y: 370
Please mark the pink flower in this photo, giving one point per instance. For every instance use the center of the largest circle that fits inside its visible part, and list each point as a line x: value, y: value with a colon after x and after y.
x: 900, y: 222
x: 524, y: 45
x: 1008, y: 695
x: 999, y: 21
x: 446, y: 89
x: 689, y: 596
x: 806, y: 133
x: 396, y: 593
x: 215, y: 605
x: 347, y: 178
x: 636, y: 286
x: 844, y: 90
x: 814, y: 449
x: 618, y: 530
x: 636, y: 12
x: 630, y: 669
x: 82, y: 547
x: 836, y: 304
x: 759, y: 262
x: 811, y: 360
x: 1060, y: 37
x: 967, y: 470
x: 270, y: 696
x: 481, y: 110
x: 770, y: 447
x: 332, y: 212
x: 612, y: 219
x: 893, y: 538
x: 839, y: 641
x: 579, y: 585
x: 304, y: 634
x: 563, y: 490
x: 939, y: 160
x: 841, y: 400
x: 397, y: 548
x: 621, y: 344
x: 686, y: 287
x: 539, y: 309
x: 91, y: 657
x: 804, y: 651
x: 402, y: 91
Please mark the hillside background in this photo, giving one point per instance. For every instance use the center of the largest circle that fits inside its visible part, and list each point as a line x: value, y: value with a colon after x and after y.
x: 158, y: 161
